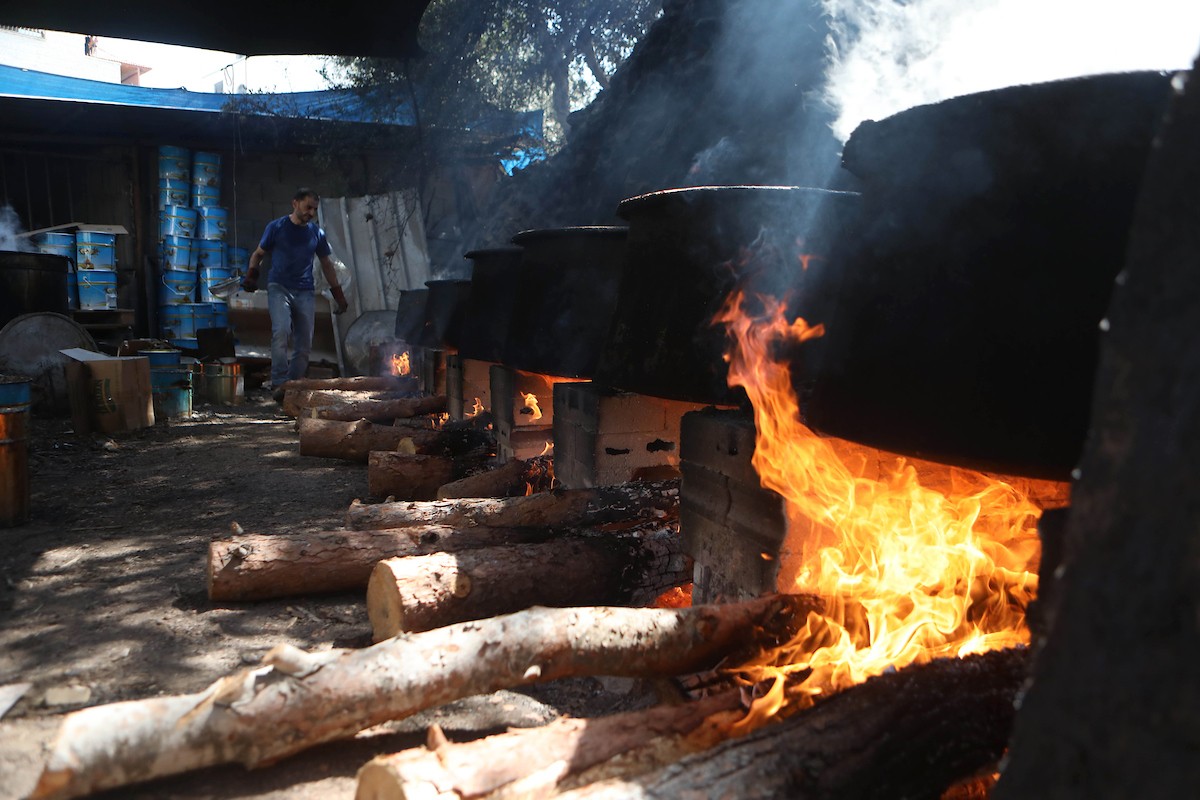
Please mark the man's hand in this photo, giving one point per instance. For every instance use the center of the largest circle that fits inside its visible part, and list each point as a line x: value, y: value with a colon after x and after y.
x: 340, y: 298
x: 250, y: 282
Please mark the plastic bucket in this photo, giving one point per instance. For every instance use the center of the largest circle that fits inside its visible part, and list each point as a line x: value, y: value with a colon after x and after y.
x: 174, y: 163
x: 95, y: 250
x: 15, y: 401
x: 210, y: 276
x: 237, y: 259
x: 177, y: 287
x: 222, y: 382
x: 182, y: 320
x: 97, y: 289
x: 178, y: 252
x: 72, y: 290
x: 56, y: 244
x: 173, y: 192
x: 205, y: 196
x: 177, y: 221
x: 209, y: 254
x: 202, y: 316
x: 213, y: 221
x: 162, y: 359
x: 220, y: 314
x: 171, y: 389
x: 206, y: 169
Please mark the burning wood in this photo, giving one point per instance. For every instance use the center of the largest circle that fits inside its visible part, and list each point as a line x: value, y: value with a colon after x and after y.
x: 419, y: 593
x: 296, y: 700
x: 512, y: 479
x: 561, y: 508
x: 539, y: 760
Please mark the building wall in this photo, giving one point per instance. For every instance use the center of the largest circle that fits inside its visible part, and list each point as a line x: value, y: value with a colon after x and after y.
x: 54, y: 52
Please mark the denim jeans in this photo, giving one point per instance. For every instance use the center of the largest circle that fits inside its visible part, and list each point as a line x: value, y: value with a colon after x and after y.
x: 293, y: 312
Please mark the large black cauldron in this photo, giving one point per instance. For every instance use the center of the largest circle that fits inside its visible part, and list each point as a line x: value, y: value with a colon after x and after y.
x: 32, y: 282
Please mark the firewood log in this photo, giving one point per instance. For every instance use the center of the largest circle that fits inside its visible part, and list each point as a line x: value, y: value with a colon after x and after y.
x: 261, y: 566
x: 358, y: 383
x: 419, y: 593
x: 532, y: 762
x: 295, y: 700
x: 408, y: 476
x: 382, y: 410
x: 353, y: 441
x: 560, y: 508
x: 302, y: 402
x: 914, y: 733
x: 512, y: 479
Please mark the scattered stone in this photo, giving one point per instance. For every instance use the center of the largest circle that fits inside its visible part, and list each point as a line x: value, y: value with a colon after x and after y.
x: 10, y: 694
x: 71, y: 695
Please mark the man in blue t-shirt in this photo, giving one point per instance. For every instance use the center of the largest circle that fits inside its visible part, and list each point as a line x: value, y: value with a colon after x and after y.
x: 292, y: 242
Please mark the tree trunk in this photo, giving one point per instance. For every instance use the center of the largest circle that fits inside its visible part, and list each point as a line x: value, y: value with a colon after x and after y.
x: 353, y: 441
x: 539, y: 759
x: 258, y: 566
x: 381, y: 410
x: 408, y: 477
x: 513, y: 479
x: 419, y: 593
x: 297, y: 700
x: 362, y: 383
x: 914, y: 733
x: 302, y: 402
x: 561, y: 508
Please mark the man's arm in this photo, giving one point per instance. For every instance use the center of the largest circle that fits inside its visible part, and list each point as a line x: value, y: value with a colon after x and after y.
x: 250, y: 282
x: 331, y: 276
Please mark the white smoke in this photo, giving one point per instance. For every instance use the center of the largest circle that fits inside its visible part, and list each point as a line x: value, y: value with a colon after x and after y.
x: 889, y: 55
x: 10, y: 227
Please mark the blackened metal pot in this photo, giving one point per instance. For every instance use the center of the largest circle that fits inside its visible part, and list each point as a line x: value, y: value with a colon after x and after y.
x: 444, y: 310
x: 410, y: 315
x: 494, y: 285
x: 32, y: 282
x: 569, y: 279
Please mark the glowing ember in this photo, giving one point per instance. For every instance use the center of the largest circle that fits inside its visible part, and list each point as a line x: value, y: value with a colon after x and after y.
x: 531, y: 405
x: 908, y: 574
x: 475, y: 408
x: 401, y: 364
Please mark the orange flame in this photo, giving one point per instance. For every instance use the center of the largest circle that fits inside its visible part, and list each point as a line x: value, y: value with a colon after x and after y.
x: 476, y: 408
x: 907, y: 573
x: 548, y: 450
x: 401, y: 364
x: 531, y: 405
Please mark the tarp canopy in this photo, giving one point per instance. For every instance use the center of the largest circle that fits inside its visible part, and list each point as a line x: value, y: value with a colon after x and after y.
x: 348, y: 28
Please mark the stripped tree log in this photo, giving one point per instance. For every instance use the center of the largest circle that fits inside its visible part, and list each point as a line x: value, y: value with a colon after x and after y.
x: 626, y: 503
x: 532, y: 762
x: 261, y: 566
x: 514, y: 478
x: 359, y: 383
x: 296, y: 700
x: 354, y: 441
x: 381, y: 410
x: 914, y: 733
x: 419, y: 593
x: 408, y: 476
x: 300, y: 402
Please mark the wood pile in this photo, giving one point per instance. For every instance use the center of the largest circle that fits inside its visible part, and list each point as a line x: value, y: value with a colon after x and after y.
x: 505, y: 582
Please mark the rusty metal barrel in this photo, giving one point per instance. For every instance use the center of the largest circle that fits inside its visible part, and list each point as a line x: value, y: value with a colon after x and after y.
x: 15, y: 401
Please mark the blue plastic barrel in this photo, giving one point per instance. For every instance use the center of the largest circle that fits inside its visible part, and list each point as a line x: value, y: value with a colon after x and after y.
x: 202, y: 196
x: 238, y: 259
x: 177, y: 287
x: 206, y: 169
x: 15, y: 401
x: 177, y: 221
x: 178, y: 252
x: 173, y: 192
x: 174, y: 163
x: 213, y: 222
x: 209, y: 255
x: 56, y: 244
x: 162, y: 358
x: 95, y: 250
x: 73, y: 290
x: 97, y: 289
x: 202, y: 316
x: 220, y: 314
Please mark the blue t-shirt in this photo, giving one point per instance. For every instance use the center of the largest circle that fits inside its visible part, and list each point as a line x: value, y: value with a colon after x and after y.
x: 292, y: 248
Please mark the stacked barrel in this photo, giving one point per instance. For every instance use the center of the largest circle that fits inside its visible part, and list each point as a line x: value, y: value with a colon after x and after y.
x: 193, y: 254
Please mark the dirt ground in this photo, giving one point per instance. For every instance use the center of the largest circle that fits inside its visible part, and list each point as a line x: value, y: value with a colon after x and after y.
x: 103, y: 595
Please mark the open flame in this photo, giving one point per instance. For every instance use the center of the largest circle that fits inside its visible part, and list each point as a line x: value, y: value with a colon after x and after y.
x: 476, y: 408
x: 400, y: 364
x: 907, y: 573
x: 531, y: 405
